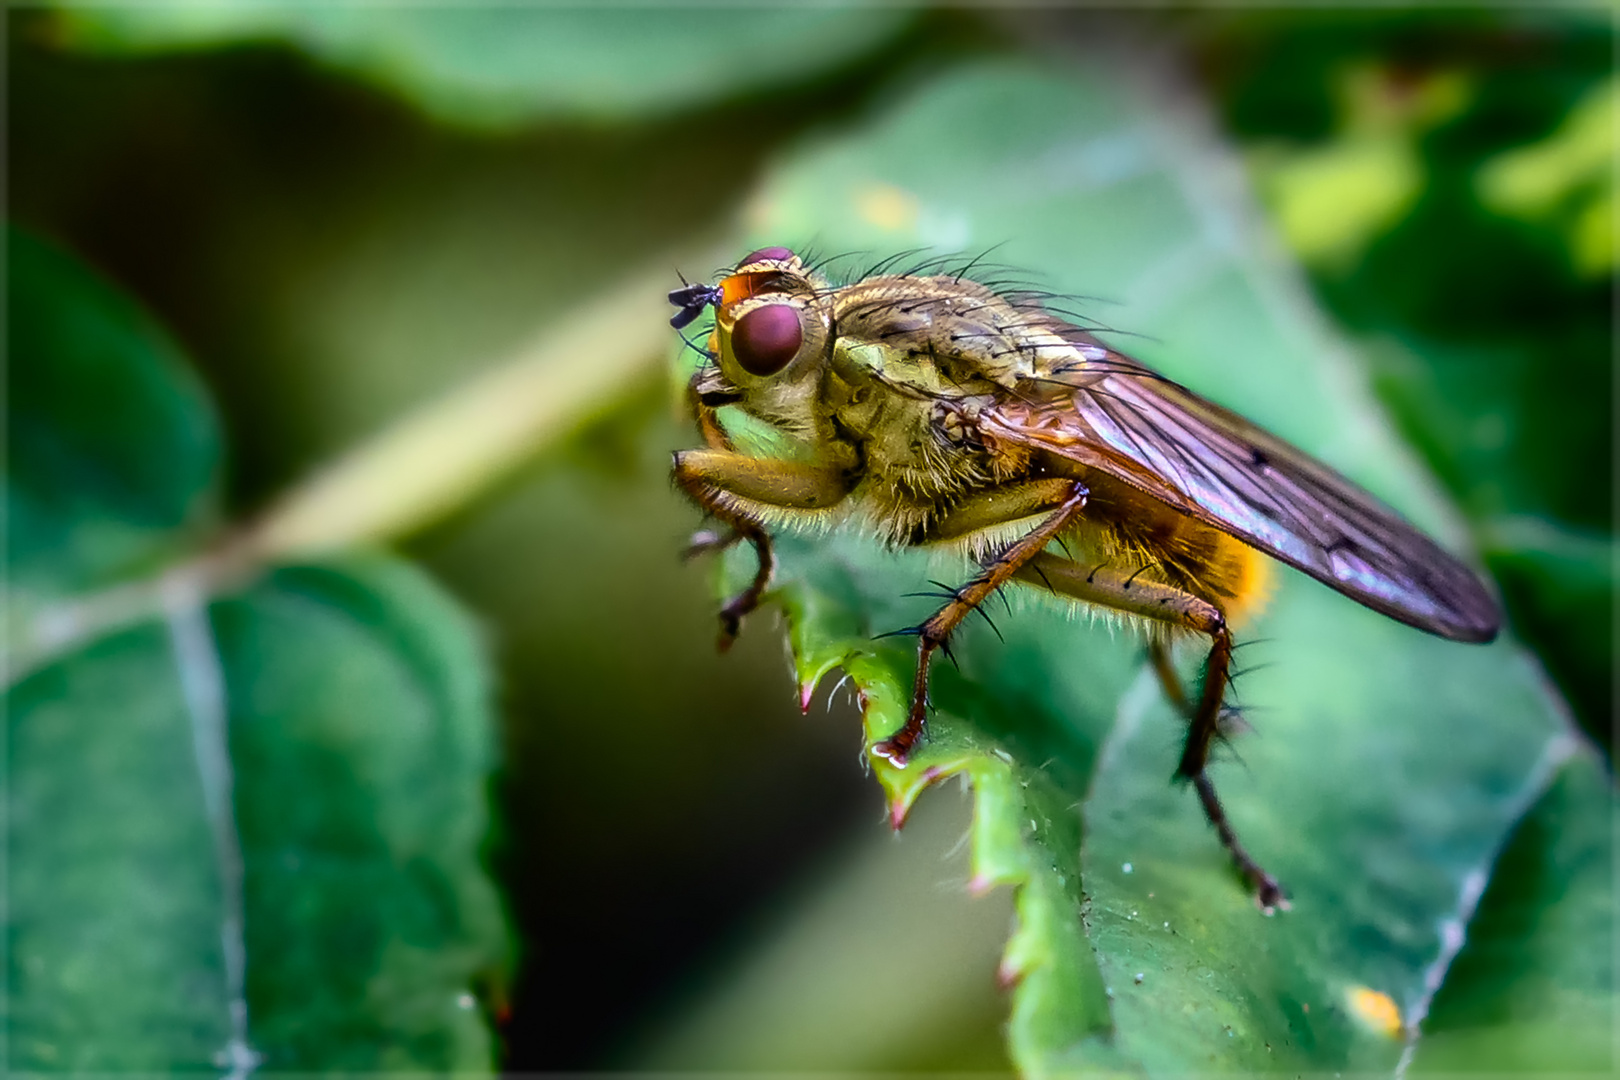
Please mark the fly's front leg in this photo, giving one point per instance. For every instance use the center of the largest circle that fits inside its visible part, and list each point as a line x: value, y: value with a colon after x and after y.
x: 1125, y: 591
x: 705, y: 394
x: 710, y: 542
x: 701, y: 398
x: 744, y: 602
x: 990, y: 508
x: 737, y: 490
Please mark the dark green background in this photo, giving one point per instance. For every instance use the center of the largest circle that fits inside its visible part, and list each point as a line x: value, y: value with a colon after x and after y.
x: 333, y: 243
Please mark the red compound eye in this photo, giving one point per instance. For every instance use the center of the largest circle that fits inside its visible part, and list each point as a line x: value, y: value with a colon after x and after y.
x: 780, y: 254
x: 765, y: 339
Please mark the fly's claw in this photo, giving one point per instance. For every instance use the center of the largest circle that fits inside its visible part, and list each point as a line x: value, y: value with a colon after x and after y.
x: 709, y: 541
x: 1269, y: 896
x: 896, y: 749
x: 1231, y: 723
x: 731, y: 617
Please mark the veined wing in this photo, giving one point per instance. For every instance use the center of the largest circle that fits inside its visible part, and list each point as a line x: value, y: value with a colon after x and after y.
x: 1132, y: 423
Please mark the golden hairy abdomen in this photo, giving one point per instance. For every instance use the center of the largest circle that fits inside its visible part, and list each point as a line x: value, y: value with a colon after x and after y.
x: 1122, y: 527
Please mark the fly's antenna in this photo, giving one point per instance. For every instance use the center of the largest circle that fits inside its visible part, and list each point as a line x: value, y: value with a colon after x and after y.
x: 692, y: 300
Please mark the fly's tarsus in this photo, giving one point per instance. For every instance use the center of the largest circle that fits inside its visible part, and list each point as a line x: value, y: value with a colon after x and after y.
x: 1268, y: 893
x: 1207, y: 724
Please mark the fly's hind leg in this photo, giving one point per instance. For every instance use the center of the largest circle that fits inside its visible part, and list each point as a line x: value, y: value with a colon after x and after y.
x: 1122, y: 591
x: 1203, y: 728
x: 1228, y: 719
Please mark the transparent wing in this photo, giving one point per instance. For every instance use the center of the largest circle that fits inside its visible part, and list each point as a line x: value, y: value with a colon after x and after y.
x: 1118, y: 416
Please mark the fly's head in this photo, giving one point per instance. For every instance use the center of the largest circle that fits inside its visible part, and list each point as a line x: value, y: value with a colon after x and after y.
x: 773, y: 333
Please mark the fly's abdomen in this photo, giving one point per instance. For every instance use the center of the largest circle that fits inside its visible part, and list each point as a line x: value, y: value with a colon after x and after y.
x: 1124, y: 528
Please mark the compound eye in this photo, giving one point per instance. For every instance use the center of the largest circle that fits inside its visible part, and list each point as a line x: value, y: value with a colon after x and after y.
x: 779, y: 254
x: 767, y: 338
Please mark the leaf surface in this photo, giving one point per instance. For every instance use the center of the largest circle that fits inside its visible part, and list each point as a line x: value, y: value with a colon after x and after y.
x: 1533, y: 988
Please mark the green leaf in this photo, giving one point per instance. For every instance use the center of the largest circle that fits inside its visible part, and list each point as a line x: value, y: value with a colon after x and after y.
x: 370, y: 917
x: 359, y: 730
x: 1518, y: 450
x: 1388, y: 766
x: 113, y: 924
x: 1568, y: 171
x: 1533, y: 989
x: 501, y: 67
x: 113, y: 445
x: 237, y: 831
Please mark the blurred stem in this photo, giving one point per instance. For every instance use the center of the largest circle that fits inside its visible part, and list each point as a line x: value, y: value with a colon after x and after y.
x: 436, y: 460
x: 426, y: 465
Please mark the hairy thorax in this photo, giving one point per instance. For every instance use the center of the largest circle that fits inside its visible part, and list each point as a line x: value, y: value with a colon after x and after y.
x: 919, y: 455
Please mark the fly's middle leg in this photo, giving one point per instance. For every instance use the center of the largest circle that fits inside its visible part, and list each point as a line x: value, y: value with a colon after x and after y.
x: 1126, y: 591
x: 1069, y: 499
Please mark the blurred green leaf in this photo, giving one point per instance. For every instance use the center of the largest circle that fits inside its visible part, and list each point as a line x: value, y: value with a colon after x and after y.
x: 1331, y: 199
x: 362, y: 738
x: 500, y: 67
x: 113, y: 446
x: 114, y: 915
x: 1137, y: 949
x: 1572, y: 171
x: 340, y: 715
x: 1561, y: 585
x: 1497, y: 429
x: 1486, y: 306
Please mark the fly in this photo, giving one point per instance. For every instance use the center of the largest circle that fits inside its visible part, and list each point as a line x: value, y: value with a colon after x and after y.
x: 941, y: 413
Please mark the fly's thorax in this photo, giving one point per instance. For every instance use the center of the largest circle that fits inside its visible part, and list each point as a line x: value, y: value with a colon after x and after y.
x: 919, y: 454
x: 944, y: 335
